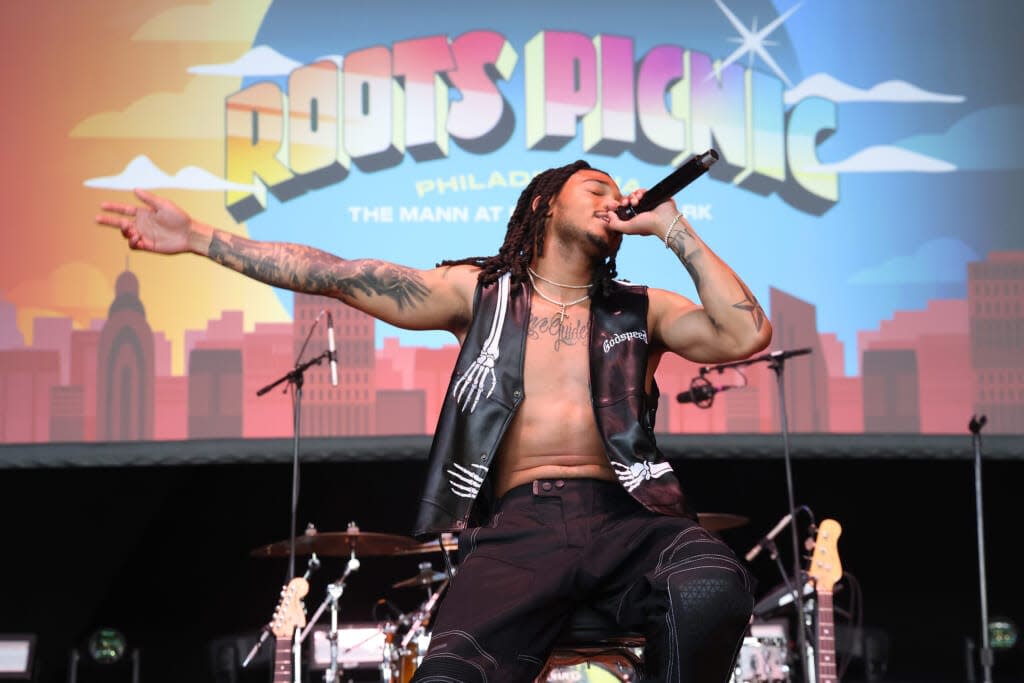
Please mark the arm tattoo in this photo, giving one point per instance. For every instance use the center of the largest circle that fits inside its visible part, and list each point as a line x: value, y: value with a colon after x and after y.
x: 374, y: 277
x: 678, y: 246
x: 749, y: 303
x: 311, y: 271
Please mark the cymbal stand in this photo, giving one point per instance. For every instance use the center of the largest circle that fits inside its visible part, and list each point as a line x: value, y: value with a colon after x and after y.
x: 423, y: 614
x: 334, y: 592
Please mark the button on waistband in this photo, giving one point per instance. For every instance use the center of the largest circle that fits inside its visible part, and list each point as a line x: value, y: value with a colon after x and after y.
x: 548, y: 485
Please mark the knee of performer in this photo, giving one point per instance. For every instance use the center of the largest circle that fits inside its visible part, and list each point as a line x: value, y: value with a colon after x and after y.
x: 712, y: 597
x: 445, y: 670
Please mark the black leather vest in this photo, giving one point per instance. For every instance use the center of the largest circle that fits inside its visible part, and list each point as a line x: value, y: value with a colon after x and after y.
x: 487, y: 388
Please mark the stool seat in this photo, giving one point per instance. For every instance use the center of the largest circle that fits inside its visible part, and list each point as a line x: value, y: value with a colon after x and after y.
x: 591, y: 637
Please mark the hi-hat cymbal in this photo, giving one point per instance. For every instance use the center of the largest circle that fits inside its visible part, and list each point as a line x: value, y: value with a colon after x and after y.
x: 717, y: 521
x: 451, y: 544
x: 427, y: 577
x: 340, y: 543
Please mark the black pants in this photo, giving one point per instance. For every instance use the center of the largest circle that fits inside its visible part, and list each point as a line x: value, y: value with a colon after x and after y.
x: 557, y: 543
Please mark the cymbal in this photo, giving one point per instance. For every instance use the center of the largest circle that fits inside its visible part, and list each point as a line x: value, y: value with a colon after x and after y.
x: 427, y: 577
x: 717, y: 521
x: 340, y: 543
x: 451, y: 544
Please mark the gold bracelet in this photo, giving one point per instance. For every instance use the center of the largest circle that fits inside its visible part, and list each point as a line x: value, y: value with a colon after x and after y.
x: 671, y: 227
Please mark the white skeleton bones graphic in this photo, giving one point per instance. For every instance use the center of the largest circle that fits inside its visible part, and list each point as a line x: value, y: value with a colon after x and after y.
x: 639, y: 472
x: 480, y: 375
x: 464, y: 482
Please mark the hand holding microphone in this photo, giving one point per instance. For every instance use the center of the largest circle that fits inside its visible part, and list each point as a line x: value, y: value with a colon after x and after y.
x: 670, y: 185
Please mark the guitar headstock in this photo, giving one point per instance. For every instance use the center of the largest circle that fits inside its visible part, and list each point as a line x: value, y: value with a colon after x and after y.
x: 290, y: 614
x: 825, y: 567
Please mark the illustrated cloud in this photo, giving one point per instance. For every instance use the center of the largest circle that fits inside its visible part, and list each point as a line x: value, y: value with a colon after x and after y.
x: 885, y: 159
x: 219, y: 21
x: 198, y: 115
x: 987, y: 139
x: 143, y: 173
x: 940, y: 260
x: 828, y: 87
x: 262, y: 60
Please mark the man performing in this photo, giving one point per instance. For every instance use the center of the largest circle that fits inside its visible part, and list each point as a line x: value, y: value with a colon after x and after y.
x: 544, y: 459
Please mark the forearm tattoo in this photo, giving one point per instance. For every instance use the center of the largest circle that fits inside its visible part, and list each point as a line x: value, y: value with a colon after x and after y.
x: 308, y: 270
x: 677, y: 243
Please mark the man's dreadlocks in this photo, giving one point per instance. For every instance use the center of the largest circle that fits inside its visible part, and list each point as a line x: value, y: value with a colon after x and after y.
x: 524, y: 237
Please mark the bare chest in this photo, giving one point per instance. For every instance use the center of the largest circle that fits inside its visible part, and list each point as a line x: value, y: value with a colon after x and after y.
x: 557, y: 356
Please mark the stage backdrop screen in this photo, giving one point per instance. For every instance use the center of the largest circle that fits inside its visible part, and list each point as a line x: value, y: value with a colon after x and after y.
x: 869, y: 192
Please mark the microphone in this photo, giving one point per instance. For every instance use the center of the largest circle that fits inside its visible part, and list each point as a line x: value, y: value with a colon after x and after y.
x: 769, y: 537
x: 783, y: 355
x: 671, y: 184
x: 701, y: 391
x: 332, y: 350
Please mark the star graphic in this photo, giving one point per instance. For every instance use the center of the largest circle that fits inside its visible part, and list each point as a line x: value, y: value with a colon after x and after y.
x: 754, y: 42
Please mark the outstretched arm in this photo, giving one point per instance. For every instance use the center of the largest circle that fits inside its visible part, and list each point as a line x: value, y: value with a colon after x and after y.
x: 729, y: 324
x: 439, y: 298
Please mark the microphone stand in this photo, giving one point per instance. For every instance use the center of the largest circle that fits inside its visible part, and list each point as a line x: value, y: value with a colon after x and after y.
x: 773, y: 552
x: 296, y: 378
x: 776, y: 361
x: 975, y: 426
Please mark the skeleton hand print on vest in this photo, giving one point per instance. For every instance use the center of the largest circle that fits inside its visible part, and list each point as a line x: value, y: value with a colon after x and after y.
x: 481, y: 373
x: 639, y: 472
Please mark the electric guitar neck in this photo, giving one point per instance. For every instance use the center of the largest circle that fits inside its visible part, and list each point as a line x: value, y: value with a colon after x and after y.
x: 825, y: 571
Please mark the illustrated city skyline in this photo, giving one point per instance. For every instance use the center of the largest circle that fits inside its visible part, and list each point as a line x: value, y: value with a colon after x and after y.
x: 921, y: 371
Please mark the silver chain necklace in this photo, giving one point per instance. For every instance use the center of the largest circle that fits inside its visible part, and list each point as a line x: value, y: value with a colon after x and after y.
x: 563, y: 305
x: 552, y: 282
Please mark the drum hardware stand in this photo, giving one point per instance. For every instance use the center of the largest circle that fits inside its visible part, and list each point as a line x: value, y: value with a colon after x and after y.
x: 334, y: 592
x: 986, y: 657
x: 422, y: 615
x: 295, y: 378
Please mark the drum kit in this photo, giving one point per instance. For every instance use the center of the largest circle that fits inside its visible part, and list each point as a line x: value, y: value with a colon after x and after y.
x: 394, y: 648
